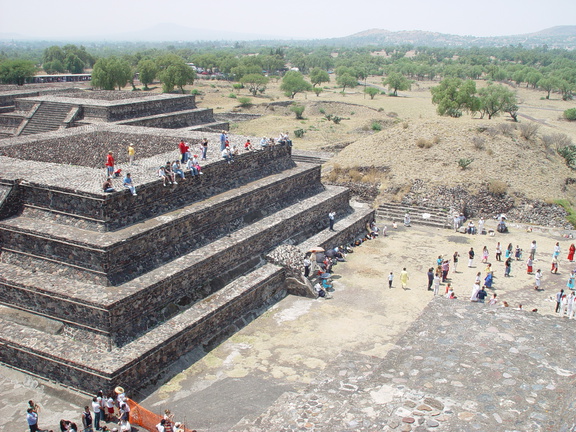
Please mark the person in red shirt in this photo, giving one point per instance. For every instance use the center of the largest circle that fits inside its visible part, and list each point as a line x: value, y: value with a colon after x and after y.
x: 183, y: 147
x: 109, y: 164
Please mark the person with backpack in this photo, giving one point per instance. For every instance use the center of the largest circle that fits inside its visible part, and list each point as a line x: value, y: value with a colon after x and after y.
x: 87, y: 419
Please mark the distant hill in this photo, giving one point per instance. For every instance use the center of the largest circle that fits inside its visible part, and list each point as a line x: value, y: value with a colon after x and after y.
x: 554, y: 37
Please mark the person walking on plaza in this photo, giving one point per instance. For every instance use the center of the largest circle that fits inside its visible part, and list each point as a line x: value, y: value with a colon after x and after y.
x: 331, y: 217
x: 556, y: 252
x: 32, y: 419
x: 404, y: 278
x: 109, y: 164
x: 470, y: 257
x: 307, y: 264
x: 498, y: 252
x: 455, y: 258
x: 390, y: 279
x: 86, y: 419
x: 538, y: 280
x: 485, y: 255
x: 508, y: 267
x: 559, y: 296
x: 204, y: 148
x: 430, y: 275
x: 554, y: 268
x: 436, y: 283
x: 533, y: 250
x: 571, y: 252
x: 529, y: 265
x: 570, y: 283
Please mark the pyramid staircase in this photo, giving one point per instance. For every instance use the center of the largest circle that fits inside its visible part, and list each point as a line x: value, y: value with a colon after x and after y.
x: 132, y: 283
x: 48, y: 117
x: 419, y: 215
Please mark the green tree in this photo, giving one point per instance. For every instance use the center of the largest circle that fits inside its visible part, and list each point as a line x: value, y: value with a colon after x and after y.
x: 396, y: 81
x: 16, y: 71
x: 177, y: 75
x: 74, y: 64
x: 548, y: 84
x: 319, y: 76
x: 346, y: 80
x: 317, y: 90
x: 53, y: 53
x: 255, y: 83
x: 147, y: 71
x: 494, y: 99
x: 293, y: 82
x: 111, y: 72
x: 371, y: 91
x: 53, y: 67
x: 454, y: 96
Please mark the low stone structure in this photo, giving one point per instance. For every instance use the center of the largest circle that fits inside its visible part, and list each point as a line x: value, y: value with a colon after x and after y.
x: 124, y: 285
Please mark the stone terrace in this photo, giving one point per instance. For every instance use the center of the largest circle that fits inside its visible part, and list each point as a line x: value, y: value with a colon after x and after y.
x: 187, y: 262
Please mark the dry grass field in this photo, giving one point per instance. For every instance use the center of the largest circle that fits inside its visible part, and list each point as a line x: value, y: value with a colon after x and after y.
x: 404, y: 138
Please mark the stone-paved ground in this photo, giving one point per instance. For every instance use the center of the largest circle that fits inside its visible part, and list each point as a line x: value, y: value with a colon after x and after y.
x: 477, y: 368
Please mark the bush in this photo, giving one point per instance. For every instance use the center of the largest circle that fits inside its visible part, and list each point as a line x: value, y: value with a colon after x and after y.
x: 298, y: 110
x: 479, y: 143
x: 464, y: 162
x: 232, y: 95
x: 322, y: 111
x: 497, y: 187
x: 236, y: 86
x: 570, y: 114
x: 336, y: 119
x: 571, y: 217
x: 506, y: 129
x: 299, y: 133
x: 569, y: 154
x: 245, y: 102
x: 376, y: 126
x: 405, y: 125
x: 195, y: 92
x: 528, y: 130
x: 423, y: 143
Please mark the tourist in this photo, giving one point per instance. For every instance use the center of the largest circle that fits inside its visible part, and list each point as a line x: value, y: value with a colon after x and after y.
x: 455, y: 258
x: 129, y: 184
x: 507, y: 267
x: 32, y: 419
x: 481, y: 295
x: 571, y: 252
x: 160, y: 426
x: 445, y: 270
x: 570, y: 283
x: 439, y: 261
x: 223, y: 139
x: 177, y: 170
x: 570, y: 310
x: 264, y: 143
x: 481, y: 226
x: 87, y: 419
x: 554, y: 268
x: 556, y: 252
x: 537, y: 279
x: 475, y: 290
x: 430, y: 275
x: 109, y: 164
x: 493, y: 300
x: 478, y: 278
x: 64, y: 425
x: 204, y: 145
x: 131, y: 153
x: 498, y: 252
x: 390, y: 279
x: 124, y: 411
x: 407, y: 219
x: 404, y: 278
x: 307, y: 264
x: 97, y: 409
x: 488, y: 280
x: 518, y: 253
x: 559, y: 296
x: 108, y: 186
x: 450, y: 294
x: 529, y: 265
x: 170, y: 173
x: 436, y: 283
x: 533, y: 250
x: 331, y: 218
x: 470, y: 257
x: 248, y: 146
x: 110, y: 407
x: 183, y: 148
x: 485, y: 254
x: 227, y: 155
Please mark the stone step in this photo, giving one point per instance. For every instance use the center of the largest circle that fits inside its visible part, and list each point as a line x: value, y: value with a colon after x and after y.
x: 81, y: 363
x: 131, y: 308
x: 399, y: 215
x: 48, y: 117
x: 114, y: 257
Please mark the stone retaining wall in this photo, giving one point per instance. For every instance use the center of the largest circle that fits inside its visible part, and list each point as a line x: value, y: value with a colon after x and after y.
x: 175, y: 120
x: 137, y: 108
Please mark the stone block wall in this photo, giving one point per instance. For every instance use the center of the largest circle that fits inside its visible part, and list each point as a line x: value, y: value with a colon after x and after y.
x: 137, y: 108
x: 175, y: 120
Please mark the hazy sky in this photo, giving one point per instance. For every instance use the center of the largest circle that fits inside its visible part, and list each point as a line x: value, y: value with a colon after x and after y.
x: 290, y: 18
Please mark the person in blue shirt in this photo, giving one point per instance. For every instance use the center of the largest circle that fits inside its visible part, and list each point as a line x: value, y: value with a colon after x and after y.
x: 128, y: 184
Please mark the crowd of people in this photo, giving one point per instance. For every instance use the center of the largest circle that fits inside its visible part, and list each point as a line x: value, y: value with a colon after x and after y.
x: 102, y: 410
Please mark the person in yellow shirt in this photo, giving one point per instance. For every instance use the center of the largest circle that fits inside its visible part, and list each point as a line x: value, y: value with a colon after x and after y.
x: 131, y: 153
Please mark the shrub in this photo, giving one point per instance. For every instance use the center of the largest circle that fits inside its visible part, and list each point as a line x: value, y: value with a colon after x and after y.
x: 497, y: 187
x: 479, y: 143
x: 570, y: 114
x: 232, y: 95
x: 298, y: 110
x: 569, y: 154
x: 245, y: 102
x: 236, y: 86
x: 528, y: 130
x: 392, y: 114
x: 423, y: 143
x: 376, y: 126
x: 195, y: 92
x: 299, y: 133
x: 506, y: 129
x: 336, y: 119
x: 328, y: 117
x: 322, y: 111
x: 464, y: 162
x: 571, y: 217
x: 405, y: 125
